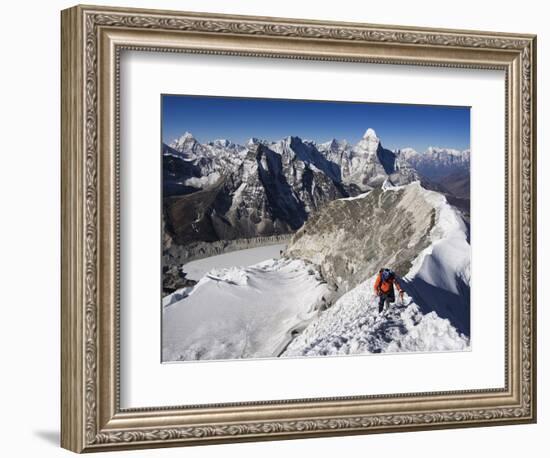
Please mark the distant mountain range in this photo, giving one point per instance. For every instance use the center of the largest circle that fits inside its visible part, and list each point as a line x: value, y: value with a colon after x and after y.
x: 221, y: 191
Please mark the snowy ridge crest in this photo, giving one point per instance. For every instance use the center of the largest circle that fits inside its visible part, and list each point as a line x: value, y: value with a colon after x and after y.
x: 433, y: 316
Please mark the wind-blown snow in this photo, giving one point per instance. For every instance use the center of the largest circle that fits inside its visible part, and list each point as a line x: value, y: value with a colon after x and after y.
x: 449, y: 252
x: 439, y: 278
x: 242, y: 312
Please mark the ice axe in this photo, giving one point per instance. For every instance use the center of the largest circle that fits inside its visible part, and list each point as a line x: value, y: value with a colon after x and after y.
x: 401, y: 296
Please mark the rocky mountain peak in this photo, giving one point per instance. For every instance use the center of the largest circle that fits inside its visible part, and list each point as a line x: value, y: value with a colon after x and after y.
x: 333, y: 145
x: 369, y: 143
x: 252, y: 142
x: 222, y: 142
x: 185, y: 142
x: 293, y: 140
x: 370, y: 133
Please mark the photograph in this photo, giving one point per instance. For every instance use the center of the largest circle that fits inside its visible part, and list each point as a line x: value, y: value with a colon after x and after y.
x: 298, y: 228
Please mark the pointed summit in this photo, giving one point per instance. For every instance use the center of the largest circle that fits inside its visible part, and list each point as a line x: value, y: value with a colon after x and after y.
x: 293, y: 140
x: 184, y: 142
x: 185, y: 137
x: 370, y: 133
x: 369, y: 143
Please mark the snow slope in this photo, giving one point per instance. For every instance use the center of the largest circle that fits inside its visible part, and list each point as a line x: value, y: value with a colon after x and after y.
x: 439, y: 278
x: 438, y: 318
x: 240, y: 312
x: 354, y: 326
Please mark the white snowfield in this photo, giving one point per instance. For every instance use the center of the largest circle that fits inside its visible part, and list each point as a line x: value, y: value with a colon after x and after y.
x: 354, y: 326
x: 242, y: 312
x: 276, y: 308
x: 197, y: 269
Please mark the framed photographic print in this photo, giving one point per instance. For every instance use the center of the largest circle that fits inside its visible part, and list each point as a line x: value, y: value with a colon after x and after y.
x: 278, y: 228
x: 260, y: 258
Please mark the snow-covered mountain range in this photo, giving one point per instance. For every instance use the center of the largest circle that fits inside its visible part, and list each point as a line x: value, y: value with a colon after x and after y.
x: 436, y: 162
x: 368, y: 164
x: 344, y: 211
x: 220, y: 190
x: 318, y: 298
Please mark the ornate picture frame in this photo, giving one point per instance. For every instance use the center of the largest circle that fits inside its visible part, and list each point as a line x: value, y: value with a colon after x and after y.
x: 92, y: 41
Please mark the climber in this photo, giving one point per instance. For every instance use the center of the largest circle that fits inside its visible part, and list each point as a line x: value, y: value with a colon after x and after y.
x: 383, y: 287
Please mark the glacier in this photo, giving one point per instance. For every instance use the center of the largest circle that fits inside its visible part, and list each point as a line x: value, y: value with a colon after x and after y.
x: 242, y: 312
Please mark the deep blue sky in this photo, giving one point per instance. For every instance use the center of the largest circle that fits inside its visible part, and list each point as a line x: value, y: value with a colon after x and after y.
x: 238, y: 119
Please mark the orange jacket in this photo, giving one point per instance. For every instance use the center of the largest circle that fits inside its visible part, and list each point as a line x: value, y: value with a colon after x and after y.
x: 385, y: 286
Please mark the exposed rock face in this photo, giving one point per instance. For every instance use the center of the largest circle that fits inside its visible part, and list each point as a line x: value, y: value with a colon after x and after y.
x: 351, y: 239
x: 187, y: 218
x: 173, y: 279
x: 368, y: 164
x: 335, y: 150
x: 176, y: 173
x: 272, y: 191
x: 298, y: 173
x: 201, y: 160
x: 223, y: 191
x: 188, y: 147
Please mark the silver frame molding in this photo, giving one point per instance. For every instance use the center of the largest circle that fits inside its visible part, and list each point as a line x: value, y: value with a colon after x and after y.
x: 92, y: 40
